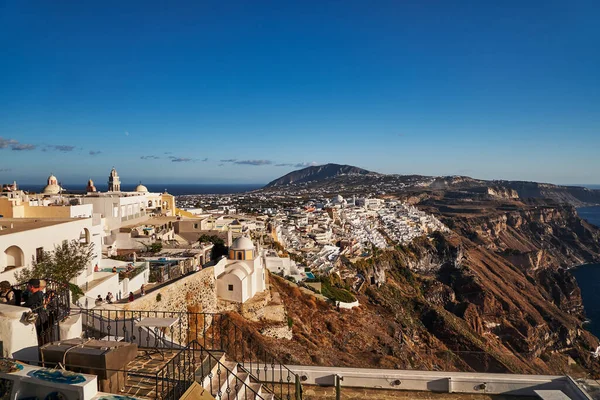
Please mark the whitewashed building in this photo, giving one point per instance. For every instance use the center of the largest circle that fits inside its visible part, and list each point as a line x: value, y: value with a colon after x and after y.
x: 23, y: 240
x: 242, y: 274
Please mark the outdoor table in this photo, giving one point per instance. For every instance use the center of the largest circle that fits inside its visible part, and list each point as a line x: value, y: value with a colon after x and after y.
x: 159, y: 326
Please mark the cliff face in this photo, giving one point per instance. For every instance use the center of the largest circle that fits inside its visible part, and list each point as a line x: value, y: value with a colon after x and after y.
x: 574, y: 195
x: 490, y: 296
x: 534, y: 237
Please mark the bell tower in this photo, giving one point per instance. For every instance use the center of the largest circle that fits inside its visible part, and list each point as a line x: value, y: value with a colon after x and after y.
x: 114, y: 183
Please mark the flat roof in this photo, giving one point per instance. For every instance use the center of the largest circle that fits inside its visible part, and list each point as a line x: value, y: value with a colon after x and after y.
x: 15, y: 225
x: 151, y: 221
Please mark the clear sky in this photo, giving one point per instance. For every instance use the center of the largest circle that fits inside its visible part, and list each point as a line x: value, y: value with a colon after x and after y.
x: 243, y: 92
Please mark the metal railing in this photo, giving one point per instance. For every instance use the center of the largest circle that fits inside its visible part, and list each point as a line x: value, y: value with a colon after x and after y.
x: 211, y: 331
x: 219, y: 380
x: 55, y: 307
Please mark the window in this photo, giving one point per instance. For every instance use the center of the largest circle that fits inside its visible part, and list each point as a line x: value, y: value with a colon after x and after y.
x: 230, y: 287
x: 39, y: 254
x: 195, y: 226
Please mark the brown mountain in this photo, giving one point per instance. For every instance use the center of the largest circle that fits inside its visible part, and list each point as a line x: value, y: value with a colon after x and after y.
x: 318, y: 173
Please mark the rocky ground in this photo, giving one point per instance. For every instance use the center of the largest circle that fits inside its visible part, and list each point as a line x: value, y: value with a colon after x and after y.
x: 493, y: 295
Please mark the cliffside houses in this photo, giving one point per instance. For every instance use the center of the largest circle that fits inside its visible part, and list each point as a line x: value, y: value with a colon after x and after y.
x: 321, y: 231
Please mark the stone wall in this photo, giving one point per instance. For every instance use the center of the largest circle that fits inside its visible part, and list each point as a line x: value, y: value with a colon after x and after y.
x: 195, y: 293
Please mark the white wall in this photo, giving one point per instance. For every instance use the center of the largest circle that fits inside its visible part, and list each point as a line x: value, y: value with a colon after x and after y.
x: 240, y: 291
x: 341, y: 304
x: 18, y: 339
x: 48, y: 237
x: 110, y: 284
x: 134, y: 284
x: 81, y: 211
x: 434, y: 381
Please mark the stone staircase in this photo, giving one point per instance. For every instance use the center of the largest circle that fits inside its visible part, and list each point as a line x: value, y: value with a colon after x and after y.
x: 228, y: 380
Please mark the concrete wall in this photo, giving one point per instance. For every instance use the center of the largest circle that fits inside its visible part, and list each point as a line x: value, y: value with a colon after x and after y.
x: 341, y: 304
x: 19, y: 340
x: 134, y: 284
x: 15, y: 208
x: 433, y: 381
x: 110, y: 284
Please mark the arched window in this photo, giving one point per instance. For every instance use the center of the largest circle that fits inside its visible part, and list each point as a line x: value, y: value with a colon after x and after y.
x: 240, y: 255
x: 14, y: 257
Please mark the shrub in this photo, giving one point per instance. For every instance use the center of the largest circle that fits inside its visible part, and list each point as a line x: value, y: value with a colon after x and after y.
x: 158, y: 297
x: 335, y: 293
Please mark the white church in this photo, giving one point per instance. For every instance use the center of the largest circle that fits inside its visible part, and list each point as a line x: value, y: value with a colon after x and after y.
x: 242, y: 274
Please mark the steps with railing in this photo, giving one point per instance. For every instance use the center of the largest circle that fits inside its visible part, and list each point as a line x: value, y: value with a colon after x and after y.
x: 231, y: 356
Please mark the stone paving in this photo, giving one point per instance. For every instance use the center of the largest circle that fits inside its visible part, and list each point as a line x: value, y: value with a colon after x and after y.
x: 142, y: 374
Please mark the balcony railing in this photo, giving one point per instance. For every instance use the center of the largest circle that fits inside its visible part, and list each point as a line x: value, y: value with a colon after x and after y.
x: 55, y: 308
x: 211, y: 331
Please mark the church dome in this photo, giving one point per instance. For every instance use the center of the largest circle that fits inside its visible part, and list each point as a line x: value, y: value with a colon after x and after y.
x: 242, y: 243
x: 90, y: 186
x: 141, y: 188
x: 52, y: 187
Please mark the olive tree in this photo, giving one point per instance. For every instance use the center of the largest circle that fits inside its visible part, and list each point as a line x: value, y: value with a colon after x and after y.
x: 64, y: 263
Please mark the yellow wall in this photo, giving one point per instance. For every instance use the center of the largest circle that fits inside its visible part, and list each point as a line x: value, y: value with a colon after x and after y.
x: 6, y: 208
x: 24, y: 210
x: 47, y: 212
x: 170, y: 200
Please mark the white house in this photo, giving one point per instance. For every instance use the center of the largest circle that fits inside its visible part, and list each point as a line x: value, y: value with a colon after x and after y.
x: 282, y: 265
x: 241, y: 275
x: 23, y: 239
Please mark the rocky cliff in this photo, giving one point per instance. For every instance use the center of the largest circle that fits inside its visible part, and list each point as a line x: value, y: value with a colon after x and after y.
x: 490, y: 296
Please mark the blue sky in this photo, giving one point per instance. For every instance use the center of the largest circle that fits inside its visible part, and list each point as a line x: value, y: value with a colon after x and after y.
x: 243, y: 92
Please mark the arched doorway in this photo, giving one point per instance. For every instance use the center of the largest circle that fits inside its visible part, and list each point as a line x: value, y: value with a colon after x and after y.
x: 84, y: 236
x: 14, y: 257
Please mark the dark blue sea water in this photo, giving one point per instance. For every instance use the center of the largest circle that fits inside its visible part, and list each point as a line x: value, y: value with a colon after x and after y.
x: 588, y: 277
x: 174, y: 189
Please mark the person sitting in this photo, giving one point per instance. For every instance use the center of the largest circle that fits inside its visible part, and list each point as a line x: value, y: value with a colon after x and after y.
x: 99, y: 300
x: 7, y: 294
x: 96, y: 268
x: 114, y: 269
x: 131, y: 297
x: 109, y: 298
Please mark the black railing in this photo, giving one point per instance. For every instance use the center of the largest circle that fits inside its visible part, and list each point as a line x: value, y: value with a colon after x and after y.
x: 222, y: 382
x: 54, y: 308
x: 212, y: 332
x: 250, y: 351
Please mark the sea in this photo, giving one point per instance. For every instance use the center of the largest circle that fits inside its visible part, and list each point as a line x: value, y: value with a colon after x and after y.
x: 173, y: 188
x: 588, y: 277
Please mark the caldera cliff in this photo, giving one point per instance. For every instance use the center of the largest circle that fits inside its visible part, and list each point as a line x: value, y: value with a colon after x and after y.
x: 492, y: 295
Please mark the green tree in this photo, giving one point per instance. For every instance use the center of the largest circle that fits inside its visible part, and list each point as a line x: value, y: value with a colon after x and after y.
x: 64, y: 263
x: 156, y: 247
x: 219, y: 249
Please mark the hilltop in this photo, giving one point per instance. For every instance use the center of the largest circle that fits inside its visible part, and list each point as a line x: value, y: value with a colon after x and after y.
x: 346, y: 180
x: 318, y: 173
